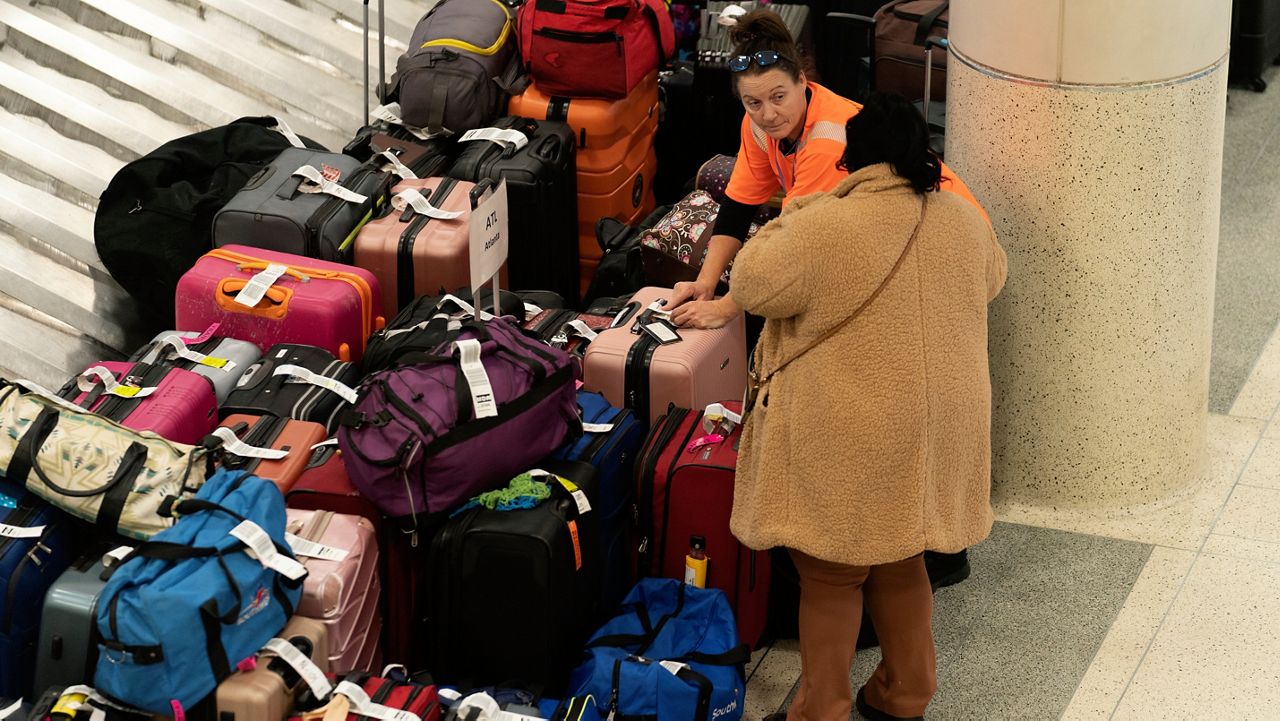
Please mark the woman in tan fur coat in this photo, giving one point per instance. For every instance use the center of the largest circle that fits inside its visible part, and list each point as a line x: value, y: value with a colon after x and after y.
x: 869, y: 440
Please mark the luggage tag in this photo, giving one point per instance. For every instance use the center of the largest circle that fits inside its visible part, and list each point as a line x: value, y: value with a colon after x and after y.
x: 413, y: 199
x: 206, y: 335
x: 661, y: 329
x: 304, y: 375
x: 283, y: 128
x: 362, y: 705
x: 482, y: 399
x: 253, y: 291
x: 7, y: 531
x: 260, y: 547
x: 397, y: 167
x: 85, y: 383
x: 709, y: 439
x: 306, y: 668
x: 180, y: 350
x: 718, y: 419
x: 237, y: 447
x: 511, y: 140
x: 390, y: 113
x: 321, y: 184
x: 311, y: 549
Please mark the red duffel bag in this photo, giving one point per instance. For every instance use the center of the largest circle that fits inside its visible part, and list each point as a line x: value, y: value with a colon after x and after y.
x: 594, y: 48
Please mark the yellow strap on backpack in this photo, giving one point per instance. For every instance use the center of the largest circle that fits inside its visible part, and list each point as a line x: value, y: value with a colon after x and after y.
x: 464, y: 45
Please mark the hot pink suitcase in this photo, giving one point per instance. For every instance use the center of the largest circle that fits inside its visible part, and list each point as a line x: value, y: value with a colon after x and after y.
x: 633, y: 370
x: 182, y: 407
x: 315, y: 302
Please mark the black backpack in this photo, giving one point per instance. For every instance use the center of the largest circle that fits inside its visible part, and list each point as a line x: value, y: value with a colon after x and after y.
x: 155, y: 219
x: 620, y: 271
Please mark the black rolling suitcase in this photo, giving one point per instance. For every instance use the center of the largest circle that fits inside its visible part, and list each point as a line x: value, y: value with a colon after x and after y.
x: 301, y: 382
x: 542, y: 197
x: 514, y: 594
x: 1255, y: 40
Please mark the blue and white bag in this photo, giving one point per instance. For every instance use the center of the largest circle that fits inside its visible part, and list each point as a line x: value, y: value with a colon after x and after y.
x: 672, y: 654
x: 182, y: 610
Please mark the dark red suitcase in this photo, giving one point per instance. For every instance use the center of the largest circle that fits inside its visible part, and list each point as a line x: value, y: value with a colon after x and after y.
x: 685, y: 490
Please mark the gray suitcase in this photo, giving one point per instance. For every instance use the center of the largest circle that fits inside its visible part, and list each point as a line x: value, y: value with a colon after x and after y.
x: 317, y: 217
x: 228, y: 358
x: 68, y: 648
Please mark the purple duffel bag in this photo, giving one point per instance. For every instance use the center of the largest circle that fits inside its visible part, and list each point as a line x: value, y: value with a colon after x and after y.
x: 426, y: 435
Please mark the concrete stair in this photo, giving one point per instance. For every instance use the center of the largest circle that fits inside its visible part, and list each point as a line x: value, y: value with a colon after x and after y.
x: 89, y: 85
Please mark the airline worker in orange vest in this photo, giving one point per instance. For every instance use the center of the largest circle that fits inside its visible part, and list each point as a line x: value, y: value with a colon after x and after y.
x: 792, y: 139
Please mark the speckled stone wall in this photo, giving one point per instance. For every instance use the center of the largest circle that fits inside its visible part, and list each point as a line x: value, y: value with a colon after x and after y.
x: 1106, y: 199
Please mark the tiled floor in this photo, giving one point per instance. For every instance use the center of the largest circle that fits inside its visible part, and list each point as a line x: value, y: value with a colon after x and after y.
x: 1163, y: 612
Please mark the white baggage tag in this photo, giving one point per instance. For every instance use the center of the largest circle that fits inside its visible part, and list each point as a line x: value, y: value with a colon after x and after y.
x: 582, y: 329
x: 412, y: 198
x: 363, y: 706
x: 115, y: 555
x: 283, y: 128
x: 322, y: 444
x: 48, y: 395
x: 330, y: 384
x: 85, y: 383
x: 305, y: 667
x: 390, y: 113
x: 237, y: 447
x: 580, y: 498
x: 662, y: 332
x: 265, y: 551
x: 253, y: 291
x: 717, y: 415
x: 7, y: 531
x: 398, y: 167
x: 311, y: 549
x: 466, y: 307
x: 597, y: 427
x: 489, y: 709
x: 674, y: 667
x: 531, y: 310
x: 328, y: 187
x: 11, y: 709
x: 477, y: 379
x: 505, y: 138
x: 180, y: 350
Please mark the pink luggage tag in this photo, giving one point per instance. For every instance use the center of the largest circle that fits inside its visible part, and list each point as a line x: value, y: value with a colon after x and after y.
x: 206, y: 335
x: 709, y: 439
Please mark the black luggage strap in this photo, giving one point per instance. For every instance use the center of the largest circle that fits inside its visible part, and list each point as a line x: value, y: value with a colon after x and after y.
x: 561, y: 7
x: 927, y: 20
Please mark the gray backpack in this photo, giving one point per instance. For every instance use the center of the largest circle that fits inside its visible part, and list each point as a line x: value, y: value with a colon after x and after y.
x: 461, y: 67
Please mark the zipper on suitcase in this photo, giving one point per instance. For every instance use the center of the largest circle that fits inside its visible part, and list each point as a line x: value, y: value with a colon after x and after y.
x: 636, y: 374
x: 404, y: 252
x: 598, y: 443
x: 142, y: 375
x: 660, y: 436
x: 325, y: 213
x: 666, y: 503
x: 30, y: 557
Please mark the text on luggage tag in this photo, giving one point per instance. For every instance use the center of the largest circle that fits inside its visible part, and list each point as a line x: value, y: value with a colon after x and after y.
x: 85, y: 383
x: 237, y: 447
x: 321, y: 184
x: 180, y: 350
x: 305, y: 375
x: 7, y: 531
x: 262, y: 549
x: 309, y: 672
x: 502, y: 136
x: 253, y: 291
x: 206, y: 335
x: 477, y: 378
x: 398, y: 167
x: 410, y: 197
x: 362, y: 705
x: 311, y: 549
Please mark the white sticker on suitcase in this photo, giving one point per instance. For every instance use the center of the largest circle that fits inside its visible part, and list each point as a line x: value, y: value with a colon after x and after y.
x: 180, y: 350
x: 311, y: 549
x: 307, y: 669
x: 237, y: 447
x: 7, y: 531
x: 328, y: 187
x: 86, y: 383
x: 362, y: 705
x: 307, y: 376
x: 264, y: 550
x: 504, y: 137
x: 413, y: 199
x: 398, y: 167
x: 253, y: 291
x: 477, y: 379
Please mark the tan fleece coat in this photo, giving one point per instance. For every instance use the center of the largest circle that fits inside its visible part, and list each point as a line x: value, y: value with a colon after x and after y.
x: 876, y: 444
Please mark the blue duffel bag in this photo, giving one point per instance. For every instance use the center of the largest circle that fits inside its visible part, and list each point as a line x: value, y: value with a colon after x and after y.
x: 182, y: 610
x: 672, y: 654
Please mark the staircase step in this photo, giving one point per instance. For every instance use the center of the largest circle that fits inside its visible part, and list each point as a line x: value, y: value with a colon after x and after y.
x: 81, y: 110
x: 42, y: 349
x: 52, y: 226
x: 318, y: 103
x: 401, y: 17
x: 40, y: 156
x: 97, y: 308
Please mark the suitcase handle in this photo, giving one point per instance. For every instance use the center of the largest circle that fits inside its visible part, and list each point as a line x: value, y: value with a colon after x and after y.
x: 478, y: 192
x: 274, y: 303
x: 299, y: 275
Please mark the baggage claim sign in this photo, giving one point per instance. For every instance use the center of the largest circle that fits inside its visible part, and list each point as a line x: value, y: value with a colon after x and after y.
x: 489, y: 239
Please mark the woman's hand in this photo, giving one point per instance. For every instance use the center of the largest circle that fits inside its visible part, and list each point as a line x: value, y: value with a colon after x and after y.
x: 690, y: 290
x: 707, y: 314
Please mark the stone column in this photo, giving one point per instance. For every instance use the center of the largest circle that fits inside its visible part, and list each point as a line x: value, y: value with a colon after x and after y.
x: 1092, y: 132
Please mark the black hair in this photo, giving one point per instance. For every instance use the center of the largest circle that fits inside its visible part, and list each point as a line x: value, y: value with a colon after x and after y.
x: 889, y: 129
x: 764, y: 30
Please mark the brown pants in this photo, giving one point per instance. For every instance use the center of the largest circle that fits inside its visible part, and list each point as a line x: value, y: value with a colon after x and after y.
x: 900, y: 603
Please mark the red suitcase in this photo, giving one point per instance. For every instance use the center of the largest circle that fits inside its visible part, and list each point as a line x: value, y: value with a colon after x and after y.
x: 271, y: 433
x: 175, y: 404
x: 685, y: 490
x: 314, y: 302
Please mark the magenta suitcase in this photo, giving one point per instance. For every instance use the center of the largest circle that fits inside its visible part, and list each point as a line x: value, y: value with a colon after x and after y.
x: 633, y: 370
x: 181, y: 408
x: 314, y: 302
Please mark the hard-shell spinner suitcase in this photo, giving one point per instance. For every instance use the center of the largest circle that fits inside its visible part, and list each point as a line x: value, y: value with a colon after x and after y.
x: 686, y: 489
x: 218, y: 358
x: 634, y: 370
x: 423, y: 246
x: 173, y: 403
x: 301, y: 382
x: 542, y: 183
x: 68, y: 649
x: 262, y: 438
x: 302, y: 300
x: 269, y: 691
x: 341, y: 555
x: 306, y: 202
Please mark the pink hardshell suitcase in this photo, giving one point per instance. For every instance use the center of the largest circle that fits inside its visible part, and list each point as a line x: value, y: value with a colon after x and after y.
x: 308, y: 302
x: 632, y: 369
x: 363, y: 636
x: 175, y: 404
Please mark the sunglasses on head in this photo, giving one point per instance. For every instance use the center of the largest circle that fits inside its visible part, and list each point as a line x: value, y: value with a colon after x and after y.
x: 763, y: 58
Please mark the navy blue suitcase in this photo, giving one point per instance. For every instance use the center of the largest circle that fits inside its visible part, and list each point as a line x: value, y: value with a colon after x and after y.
x: 612, y: 452
x: 36, y: 546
